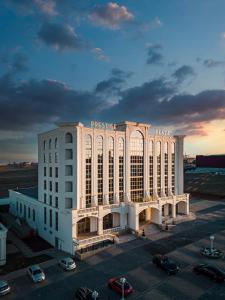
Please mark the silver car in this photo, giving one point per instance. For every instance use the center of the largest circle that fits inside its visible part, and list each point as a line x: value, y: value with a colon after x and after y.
x: 36, y: 273
x: 67, y: 263
x: 4, y: 288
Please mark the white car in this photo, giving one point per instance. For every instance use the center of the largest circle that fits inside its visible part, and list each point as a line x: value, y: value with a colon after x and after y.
x: 4, y: 288
x: 36, y: 273
x: 67, y: 263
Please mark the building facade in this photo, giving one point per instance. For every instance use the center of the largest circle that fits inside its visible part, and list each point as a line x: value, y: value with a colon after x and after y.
x: 94, y: 181
x: 3, y: 236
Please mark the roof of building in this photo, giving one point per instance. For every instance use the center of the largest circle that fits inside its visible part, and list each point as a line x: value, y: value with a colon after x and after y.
x: 30, y: 192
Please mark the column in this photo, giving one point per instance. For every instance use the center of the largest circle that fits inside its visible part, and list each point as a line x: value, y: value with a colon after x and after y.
x: 127, y: 166
x: 105, y: 170
x: 154, y: 169
x: 146, y: 168
x: 162, y: 169
x: 116, y: 171
x: 169, y: 169
x: 100, y: 225
x: 179, y: 167
x: 94, y: 199
x: 174, y: 211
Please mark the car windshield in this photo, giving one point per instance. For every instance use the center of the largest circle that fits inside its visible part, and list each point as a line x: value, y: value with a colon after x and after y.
x: 70, y: 262
x: 37, y: 272
x: 3, y: 287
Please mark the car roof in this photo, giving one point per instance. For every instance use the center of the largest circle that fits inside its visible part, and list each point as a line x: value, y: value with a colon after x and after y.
x: 34, y: 267
x: 67, y: 259
x: 3, y: 283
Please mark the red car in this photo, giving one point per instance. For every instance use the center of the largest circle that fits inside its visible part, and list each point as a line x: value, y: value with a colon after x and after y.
x: 116, y: 285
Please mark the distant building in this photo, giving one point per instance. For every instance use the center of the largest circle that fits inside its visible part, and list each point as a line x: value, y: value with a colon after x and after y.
x: 98, y: 180
x: 210, y: 161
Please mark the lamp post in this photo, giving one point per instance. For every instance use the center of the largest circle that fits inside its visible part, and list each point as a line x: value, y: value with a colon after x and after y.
x: 122, y: 280
x: 95, y: 295
x: 211, y: 242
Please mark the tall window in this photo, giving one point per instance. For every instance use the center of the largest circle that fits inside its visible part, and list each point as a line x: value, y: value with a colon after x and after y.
x: 111, y: 169
x: 88, y: 159
x: 173, y: 167
x: 56, y: 143
x: 50, y: 144
x: 150, y: 168
x: 136, y: 166
x: 100, y: 169
x: 121, y: 169
x: 68, y: 138
x: 158, y: 156
x: 166, y: 168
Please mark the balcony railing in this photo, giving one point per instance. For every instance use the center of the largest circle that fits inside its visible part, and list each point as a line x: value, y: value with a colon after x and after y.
x: 114, y: 229
x: 95, y: 239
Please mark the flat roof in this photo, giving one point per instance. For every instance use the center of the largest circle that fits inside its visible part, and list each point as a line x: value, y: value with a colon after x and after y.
x: 30, y: 192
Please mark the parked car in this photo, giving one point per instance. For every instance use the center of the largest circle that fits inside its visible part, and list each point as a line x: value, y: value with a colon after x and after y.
x: 4, y: 288
x: 84, y: 293
x: 116, y: 285
x: 165, y: 263
x: 36, y: 273
x: 67, y: 263
x: 210, y: 271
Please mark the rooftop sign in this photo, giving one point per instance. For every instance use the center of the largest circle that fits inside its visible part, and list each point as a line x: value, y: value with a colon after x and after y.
x: 101, y: 125
x: 162, y: 132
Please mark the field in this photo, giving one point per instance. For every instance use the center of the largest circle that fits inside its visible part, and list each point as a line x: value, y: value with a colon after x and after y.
x: 12, y: 177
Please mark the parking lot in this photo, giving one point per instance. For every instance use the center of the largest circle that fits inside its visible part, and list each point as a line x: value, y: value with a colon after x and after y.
x: 133, y: 260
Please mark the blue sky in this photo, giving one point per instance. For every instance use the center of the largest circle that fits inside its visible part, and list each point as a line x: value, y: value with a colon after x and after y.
x: 82, y: 60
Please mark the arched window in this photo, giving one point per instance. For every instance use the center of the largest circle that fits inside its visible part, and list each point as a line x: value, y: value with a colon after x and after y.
x: 150, y: 151
x: 69, y: 137
x: 44, y: 145
x: 137, y: 166
x: 88, y: 162
x: 99, y: 145
x: 56, y: 143
x: 111, y: 169
x: 121, y: 169
x: 50, y: 144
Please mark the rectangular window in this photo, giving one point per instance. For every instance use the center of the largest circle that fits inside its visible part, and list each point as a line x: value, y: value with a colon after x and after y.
x: 68, y: 202
x: 69, y: 186
x: 69, y: 154
x: 45, y: 198
x: 34, y: 217
x: 45, y: 215
x: 50, y: 185
x: 68, y: 170
x: 50, y: 157
x: 50, y: 218
x: 56, y: 202
x: 56, y: 172
x: 29, y: 212
x: 56, y: 187
x: 45, y: 172
x: 45, y: 184
x: 50, y: 200
x: 56, y: 157
x: 56, y: 221
x: 50, y: 172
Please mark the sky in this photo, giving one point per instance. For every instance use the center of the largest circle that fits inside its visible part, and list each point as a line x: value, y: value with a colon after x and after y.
x: 159, y: 62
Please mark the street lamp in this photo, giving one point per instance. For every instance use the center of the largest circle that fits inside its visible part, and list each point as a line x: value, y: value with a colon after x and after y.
x: 95, y: 295
x: 122, y: 280
x: 211, y: 242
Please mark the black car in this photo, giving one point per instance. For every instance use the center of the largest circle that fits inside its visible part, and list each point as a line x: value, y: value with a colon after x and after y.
x: 84, y: 293
x: 210, y: 271
x: 165, y: 263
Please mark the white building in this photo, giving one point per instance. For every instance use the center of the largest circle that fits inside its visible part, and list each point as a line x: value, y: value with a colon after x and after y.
x: 96, y: 180
x: 3, y: 235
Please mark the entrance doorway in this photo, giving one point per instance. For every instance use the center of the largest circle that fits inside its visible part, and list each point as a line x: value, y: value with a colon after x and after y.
x: 84, y: 226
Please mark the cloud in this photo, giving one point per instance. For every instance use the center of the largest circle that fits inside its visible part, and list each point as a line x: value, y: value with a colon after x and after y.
x: 62, y: 37
x: 14, y: 61
x: 100, y: 55
x: 183, y: 73
x: 211, y: 63
x: 110, y: 15
x: 154, y: 54
x: 27, y: 7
